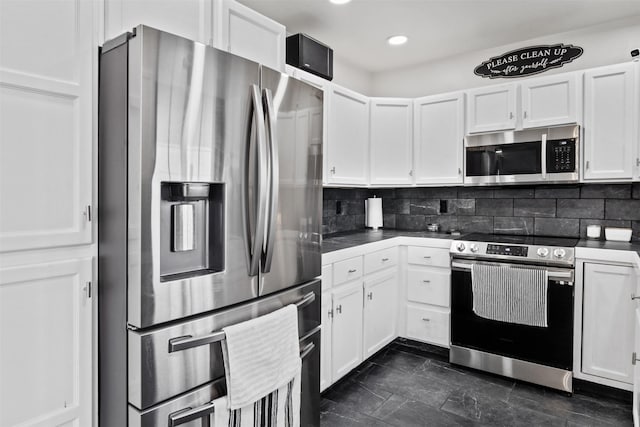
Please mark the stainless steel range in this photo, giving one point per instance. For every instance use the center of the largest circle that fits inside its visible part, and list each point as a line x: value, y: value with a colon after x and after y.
x: 541, y: 354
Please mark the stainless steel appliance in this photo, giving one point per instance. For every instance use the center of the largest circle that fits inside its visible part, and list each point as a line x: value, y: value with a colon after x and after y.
x: 210, y: 203
x: 527, y: 156
x: 541, y: 355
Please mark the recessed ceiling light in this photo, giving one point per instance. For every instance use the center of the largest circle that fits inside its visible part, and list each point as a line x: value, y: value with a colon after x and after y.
x: 339, y: 1
x: 397, y: 40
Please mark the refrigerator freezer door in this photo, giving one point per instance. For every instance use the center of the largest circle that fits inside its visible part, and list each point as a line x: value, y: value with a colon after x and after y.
x: 190, y: 120
x: 292, y: 253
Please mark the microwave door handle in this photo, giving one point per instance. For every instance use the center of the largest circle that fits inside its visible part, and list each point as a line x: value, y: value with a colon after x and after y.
x: 274, y: 181
x: 253, y: 243
x: 544, y: 156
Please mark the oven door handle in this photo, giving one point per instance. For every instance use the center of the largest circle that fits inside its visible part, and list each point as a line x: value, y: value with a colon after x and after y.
x: 561, y: 275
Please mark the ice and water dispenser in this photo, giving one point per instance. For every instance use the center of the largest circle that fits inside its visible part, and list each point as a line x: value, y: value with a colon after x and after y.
x: 192, y: 224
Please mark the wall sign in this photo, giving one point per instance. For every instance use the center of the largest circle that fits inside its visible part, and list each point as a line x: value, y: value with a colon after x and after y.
x: 528, y: 60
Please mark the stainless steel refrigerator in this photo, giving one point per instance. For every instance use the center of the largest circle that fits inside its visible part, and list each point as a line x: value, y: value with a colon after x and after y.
x: 210, y: 199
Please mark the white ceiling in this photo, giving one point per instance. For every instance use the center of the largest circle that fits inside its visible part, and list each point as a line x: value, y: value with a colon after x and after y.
x: 357, y: 31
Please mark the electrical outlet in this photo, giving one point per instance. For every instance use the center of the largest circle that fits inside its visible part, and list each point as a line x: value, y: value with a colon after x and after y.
x: 339, y: 207
x: 444, y: 206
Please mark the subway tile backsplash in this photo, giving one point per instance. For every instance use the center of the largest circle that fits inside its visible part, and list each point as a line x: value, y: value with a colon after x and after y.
x: 557, y: 210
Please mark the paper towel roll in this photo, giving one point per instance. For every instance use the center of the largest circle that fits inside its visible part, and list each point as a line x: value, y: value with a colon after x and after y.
x: 373, y: 212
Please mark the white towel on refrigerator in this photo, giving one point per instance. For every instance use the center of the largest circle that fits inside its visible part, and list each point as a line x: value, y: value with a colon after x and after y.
x: 261, y: 355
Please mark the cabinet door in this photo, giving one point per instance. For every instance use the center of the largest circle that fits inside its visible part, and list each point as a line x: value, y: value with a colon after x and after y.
x: 346, y: 348
x: 491, y: 108
x: 636, y: 372
x: 610, y: 115
x: 47, y: 111
x: 439, y: 132
x: 46, y: 336
x: 608, y: 321
x: 391, y: 150
x: 549, y: 101
x: 380, y: 312
x: 348, y: 138
x: 325, y: 354
x: 244, y: 32
x: 190, y: 19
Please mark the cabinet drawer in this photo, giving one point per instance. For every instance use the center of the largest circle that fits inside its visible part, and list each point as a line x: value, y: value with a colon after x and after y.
x: 346, y: 270
x: 429, y: 256
x: 380, y: 259
x: 327, y: 277
x: 429, y: 286
x: 429, y: 325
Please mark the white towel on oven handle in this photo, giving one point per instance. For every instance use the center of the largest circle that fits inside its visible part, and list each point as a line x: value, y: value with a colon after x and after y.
x: 510, y: 293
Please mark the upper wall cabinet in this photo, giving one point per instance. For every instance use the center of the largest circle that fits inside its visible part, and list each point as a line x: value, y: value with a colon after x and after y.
x: 550, y: 101
x: 491, y: 108
x: 189, y: 19
x: 391, y: 150
x: 47, y: 111
x: 610, y: 122
x: 439, y: 130
x: 244, y: 32
x: 347, y: 148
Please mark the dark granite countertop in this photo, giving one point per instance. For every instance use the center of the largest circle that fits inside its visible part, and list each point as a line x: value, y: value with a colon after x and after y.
x: 337, y: 241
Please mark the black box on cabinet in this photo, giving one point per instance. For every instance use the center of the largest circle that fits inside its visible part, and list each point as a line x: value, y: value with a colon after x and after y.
x: 310, y: 55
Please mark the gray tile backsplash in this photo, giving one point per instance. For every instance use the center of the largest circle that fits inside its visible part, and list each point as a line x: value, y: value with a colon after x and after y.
x: 557, y: 210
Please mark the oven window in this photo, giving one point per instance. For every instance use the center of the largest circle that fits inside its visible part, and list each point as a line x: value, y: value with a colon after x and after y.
x: 507, y: 159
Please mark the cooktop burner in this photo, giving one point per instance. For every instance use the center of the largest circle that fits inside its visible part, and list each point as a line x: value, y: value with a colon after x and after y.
x: 525, y: 249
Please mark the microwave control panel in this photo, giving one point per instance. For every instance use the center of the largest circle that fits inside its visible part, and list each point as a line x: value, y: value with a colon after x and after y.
x: 561, y: 156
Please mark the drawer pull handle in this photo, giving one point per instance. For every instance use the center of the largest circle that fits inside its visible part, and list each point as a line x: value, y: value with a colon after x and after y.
x: 339, y: 309
x: 634, y: 358
x: 426, y: 281
x: 426, y: 257
x: 635, y: 297
x: 426, y: 319
x: 385, y: 259
x: 352, y: 271
x: 370, y: 295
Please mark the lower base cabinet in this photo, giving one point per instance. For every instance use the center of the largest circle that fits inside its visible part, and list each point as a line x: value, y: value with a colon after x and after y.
x: 608, y: 321
x: 346, y: 333
x: 379, y: 312
x: 325, y: 351
x: 430, y: 325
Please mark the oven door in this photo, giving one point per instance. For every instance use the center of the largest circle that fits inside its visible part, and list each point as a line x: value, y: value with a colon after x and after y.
x: 550, y: 346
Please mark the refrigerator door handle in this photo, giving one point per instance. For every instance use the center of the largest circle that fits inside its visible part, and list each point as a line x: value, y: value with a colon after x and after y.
x: 254, y: 243
x: 274, y: 179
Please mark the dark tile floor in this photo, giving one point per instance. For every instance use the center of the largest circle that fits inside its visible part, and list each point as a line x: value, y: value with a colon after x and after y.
x: 410, y: 384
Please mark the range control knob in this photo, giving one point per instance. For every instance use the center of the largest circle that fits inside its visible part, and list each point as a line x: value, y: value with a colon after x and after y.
x: 559, y: 253
x: 460, y: 247
x: 543, y: 252
x: 474, y: 248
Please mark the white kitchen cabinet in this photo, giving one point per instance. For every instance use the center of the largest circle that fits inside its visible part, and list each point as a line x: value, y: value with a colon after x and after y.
x: 191, y: 19
x: 380, y: 311
x: 636, y: 371
x: 610, y: 122
x: 608, y: 321
x: 47, y: 111
x: 429, y: 286
x: 244, y: 32
x: 549, y: 101
x: 439, y: 131
x: 346, y: 347
x: 428, y: 324
x: 46, y: 336
x: 491, y: 108
x: 347, y: 147
x: 326, y: 341
x: 391, y: 144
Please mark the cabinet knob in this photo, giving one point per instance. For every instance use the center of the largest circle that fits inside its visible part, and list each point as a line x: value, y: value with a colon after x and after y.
x: 511, y: 115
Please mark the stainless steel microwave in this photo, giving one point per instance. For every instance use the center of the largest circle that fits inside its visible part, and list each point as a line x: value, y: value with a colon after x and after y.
x: 542, y: 155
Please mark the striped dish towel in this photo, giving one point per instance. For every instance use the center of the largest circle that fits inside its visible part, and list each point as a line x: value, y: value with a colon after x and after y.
x: 510, y: 293
x: 277, y: 409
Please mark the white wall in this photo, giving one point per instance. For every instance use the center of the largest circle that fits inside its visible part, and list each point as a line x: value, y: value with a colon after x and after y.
x: 351, y: 76
x: 604, y: 44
